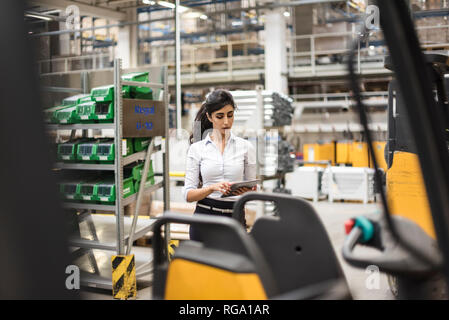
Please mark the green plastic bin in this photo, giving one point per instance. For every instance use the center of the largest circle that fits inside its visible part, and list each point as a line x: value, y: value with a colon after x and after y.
x: 104, y: 112
x: 103, y: 93
x: 106, y: 190
x: 104, y: 103
x: 74, y: 100
x: 138, y: 171
x: 70, y: 190
x: 105, y: 152
x: 86, y: 111
x: 67, y: 116
x: 67, y: 151
x: 137, y: 92
x: 141, y: 144
x: 50, y: 114
x: 87, y: 151
x: 87, y: 191
x: 128, y: 187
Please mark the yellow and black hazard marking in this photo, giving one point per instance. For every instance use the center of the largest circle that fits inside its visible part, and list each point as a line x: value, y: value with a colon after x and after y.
x: 124, y: 284
x: 171, y: 248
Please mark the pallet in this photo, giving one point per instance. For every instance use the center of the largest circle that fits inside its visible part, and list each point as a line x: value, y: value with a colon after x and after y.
x: 143, y: 242
x: 437, y: 48
x: 353, y: 201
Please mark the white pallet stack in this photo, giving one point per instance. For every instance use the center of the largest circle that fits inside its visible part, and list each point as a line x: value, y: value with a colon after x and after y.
x: 305, y: 182
x: 348, y: 183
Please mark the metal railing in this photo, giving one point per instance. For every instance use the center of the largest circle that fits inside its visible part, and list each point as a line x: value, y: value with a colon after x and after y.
x: 223, y: 57
x: 336, y: 121
x: 336, y: 97
x: 209, y: 57
x: 326, y: 52
x: 76, y: 63
x: 307, y: 55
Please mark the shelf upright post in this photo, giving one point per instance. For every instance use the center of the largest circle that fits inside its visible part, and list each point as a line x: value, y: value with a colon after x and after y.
x: 261, y: 142
x: 166, y: 151
x: 178, y: 65
x: 165, y: 160
x: 118, y: 118
x: 260, y: 125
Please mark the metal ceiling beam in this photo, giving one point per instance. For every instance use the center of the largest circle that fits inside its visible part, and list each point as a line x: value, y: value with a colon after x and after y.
x: 85, y: 9
x: 270, y: 6
x: 122, y: 24
x: 257, y: 7
x: 117, y: 2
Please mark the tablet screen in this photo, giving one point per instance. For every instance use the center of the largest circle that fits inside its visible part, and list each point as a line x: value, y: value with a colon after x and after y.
x: 241, y: 184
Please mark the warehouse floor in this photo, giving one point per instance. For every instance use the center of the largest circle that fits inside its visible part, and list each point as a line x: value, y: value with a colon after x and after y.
x: 333, y: 216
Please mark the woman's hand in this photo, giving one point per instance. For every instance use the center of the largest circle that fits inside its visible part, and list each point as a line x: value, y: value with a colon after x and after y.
x: 222, y: 187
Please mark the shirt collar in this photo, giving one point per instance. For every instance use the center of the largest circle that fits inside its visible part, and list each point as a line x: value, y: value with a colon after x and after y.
x: 208, y: 139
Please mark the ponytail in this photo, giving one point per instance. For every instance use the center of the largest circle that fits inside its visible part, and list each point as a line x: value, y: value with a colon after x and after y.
x: 200, y: 125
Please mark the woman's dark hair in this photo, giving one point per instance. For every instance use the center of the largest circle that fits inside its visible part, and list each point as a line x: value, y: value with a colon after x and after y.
x: 215, y: 101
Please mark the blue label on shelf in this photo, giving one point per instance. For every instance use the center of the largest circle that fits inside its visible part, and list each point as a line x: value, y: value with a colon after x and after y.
x: 144, y: 110
x: 144, y: 125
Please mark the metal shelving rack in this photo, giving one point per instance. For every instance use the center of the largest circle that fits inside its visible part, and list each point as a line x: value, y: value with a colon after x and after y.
x: 254, y: 111
x: 105, y: 239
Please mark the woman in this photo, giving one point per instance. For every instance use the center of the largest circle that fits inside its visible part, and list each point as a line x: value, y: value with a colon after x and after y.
x: 216, y: 159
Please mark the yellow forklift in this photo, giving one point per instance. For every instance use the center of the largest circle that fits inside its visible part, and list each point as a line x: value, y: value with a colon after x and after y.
x: 406, y: 192
x: 412, y: 236
x: 289, y: 255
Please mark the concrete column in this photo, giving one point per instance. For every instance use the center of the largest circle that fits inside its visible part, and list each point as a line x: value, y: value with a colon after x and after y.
x: 127, y: 45
x: 275, y: 52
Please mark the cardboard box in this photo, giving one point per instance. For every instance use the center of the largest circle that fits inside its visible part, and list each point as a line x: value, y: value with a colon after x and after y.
x: 435, y: 35
x: 143, y: 118
x: 157, y: 207
x: 144, y: 210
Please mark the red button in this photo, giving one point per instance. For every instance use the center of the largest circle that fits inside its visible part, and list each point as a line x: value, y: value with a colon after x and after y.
x: 349, y: 225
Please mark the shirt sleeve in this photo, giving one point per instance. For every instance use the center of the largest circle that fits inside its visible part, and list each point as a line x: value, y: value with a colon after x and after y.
x: 250, y: 162
x: 192, y: 173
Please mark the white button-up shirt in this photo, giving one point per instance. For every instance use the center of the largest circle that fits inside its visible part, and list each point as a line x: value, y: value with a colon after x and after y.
x: 237, y: 163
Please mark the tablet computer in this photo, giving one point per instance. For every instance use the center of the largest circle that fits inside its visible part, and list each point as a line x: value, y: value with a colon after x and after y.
x: 241, y: 184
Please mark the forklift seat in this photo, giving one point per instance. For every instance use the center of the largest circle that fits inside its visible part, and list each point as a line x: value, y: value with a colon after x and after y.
x: 294, y: 243
x: 288, y: 256
x: 226, y: 265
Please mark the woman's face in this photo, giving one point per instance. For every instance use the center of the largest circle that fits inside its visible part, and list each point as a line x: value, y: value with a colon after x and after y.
x: 222, y: 119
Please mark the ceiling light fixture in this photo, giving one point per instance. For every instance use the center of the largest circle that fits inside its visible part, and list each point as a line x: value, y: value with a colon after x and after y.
x: 172, y: 6
x: 286, y: 14
x: 166, y: 4
x: 38, y: 17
